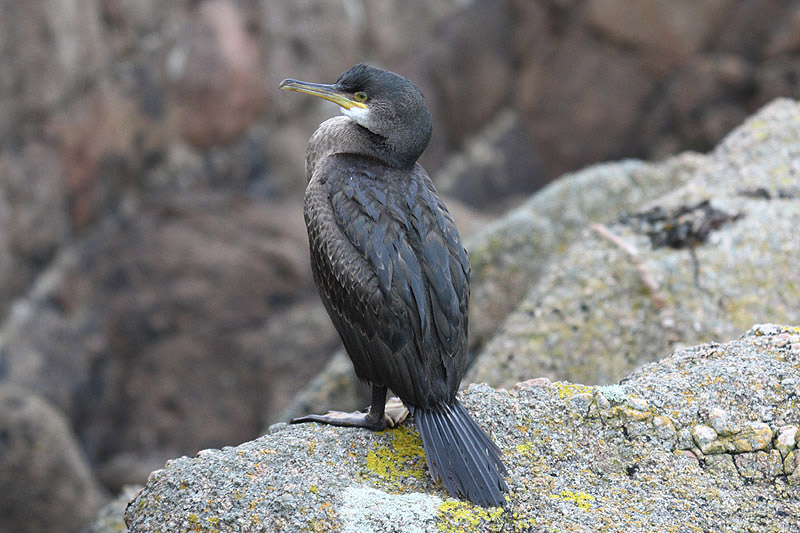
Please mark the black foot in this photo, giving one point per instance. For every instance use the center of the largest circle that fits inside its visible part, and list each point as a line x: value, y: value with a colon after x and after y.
x: 389, y: 415
x: 339, y: 418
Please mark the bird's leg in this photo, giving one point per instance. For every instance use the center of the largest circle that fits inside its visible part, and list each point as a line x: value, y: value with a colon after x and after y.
x: 379, y: 415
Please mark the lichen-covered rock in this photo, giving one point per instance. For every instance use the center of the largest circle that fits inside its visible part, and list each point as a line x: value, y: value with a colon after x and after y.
x: 579, y: 458
x: 706, y: 439
x: 721, y: 422
x: 754, y: 437
x: 707, y: 259
x: 787, y: 439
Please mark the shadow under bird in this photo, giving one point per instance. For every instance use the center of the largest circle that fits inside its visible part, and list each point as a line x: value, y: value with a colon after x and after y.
x: 393, y: 274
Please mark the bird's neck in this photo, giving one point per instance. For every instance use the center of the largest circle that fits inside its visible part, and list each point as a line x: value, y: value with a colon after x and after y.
x: 340, y: 135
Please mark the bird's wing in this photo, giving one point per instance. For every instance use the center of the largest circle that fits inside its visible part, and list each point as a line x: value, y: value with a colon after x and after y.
x: 393, y: 274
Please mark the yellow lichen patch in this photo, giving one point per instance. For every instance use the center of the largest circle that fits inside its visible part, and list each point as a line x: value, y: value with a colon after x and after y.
x: 581, y: 499
x: 314, y: 489
x: 568, y: 390
x: 401, y: 458
x: 195, y: 521
x: 459, y: 516
x: 311, y: 445
x: 525, y: 447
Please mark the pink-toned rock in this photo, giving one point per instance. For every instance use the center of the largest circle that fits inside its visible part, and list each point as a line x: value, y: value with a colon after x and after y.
x: 217, y: 75
x: 670, y: 31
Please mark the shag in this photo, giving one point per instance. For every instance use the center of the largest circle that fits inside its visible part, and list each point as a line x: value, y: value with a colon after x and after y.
x: 392, y: 272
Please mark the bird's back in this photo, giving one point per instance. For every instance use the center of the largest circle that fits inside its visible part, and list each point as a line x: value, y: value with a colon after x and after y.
x: 392, y: 273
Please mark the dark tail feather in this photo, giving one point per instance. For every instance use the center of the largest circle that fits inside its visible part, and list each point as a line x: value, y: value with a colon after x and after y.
x: 460, y: 454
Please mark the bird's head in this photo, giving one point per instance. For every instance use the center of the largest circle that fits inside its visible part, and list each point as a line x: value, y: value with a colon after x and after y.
x: 386, y: 104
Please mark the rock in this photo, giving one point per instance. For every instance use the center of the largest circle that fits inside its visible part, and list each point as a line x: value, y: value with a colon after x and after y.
x: 218, y: 68
x: 46, y: 484
x: 57, y: 47
x: 664, y: 428
x: 552, y: 87
x: 706, y: 439
x: 33, y: 216
x: 672, y: 30
x: 340, y: 477
x: 787, y: 440
x: 791, y: 464
x: 470, y: 64
x: 312, y: 333
x: 617, y: 298
x: 155, y: 335
x: 763, y: 466
x: 511, y: 254
x: 754, y: 437
x: 97, y: 135
x: 497, y: 162
x: 334, y: 387
x: 413, y: 17
x: 111, y: 518
x: 638, y: 404
x: 721, y: 422
x: 777, y: 77
x: 692, y: 103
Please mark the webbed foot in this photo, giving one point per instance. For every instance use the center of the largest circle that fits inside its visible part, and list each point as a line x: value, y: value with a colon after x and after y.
x: 380, y: 415
x: 359, y: 419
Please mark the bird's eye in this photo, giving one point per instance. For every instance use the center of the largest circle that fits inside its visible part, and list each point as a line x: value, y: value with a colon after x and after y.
x: 360, y: 96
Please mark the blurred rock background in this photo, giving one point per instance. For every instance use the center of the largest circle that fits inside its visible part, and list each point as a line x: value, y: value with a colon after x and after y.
x: 155, y: 294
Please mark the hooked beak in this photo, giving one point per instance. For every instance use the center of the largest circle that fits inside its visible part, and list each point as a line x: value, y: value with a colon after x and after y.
x: 321, y: 90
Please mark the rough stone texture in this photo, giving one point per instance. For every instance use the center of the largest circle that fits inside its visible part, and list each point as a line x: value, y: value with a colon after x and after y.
x: 107, y: 104
x: 45, y: 481
x: 510, y: 255
x: 612, y: 301
x: 171, y: 346
x: 579, y: 458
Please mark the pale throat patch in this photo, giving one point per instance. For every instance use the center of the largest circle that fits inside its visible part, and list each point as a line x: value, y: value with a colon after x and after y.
x: 360, y: 115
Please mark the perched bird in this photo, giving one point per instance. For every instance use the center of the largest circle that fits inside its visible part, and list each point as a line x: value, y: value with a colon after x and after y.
x: 392, y: 272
